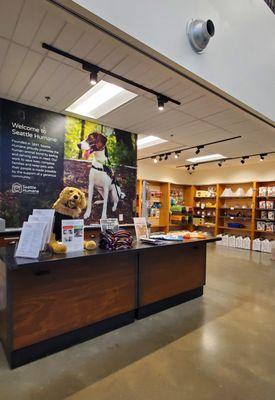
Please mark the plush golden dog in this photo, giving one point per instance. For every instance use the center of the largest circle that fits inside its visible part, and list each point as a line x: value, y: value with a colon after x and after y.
x: 69, y: 205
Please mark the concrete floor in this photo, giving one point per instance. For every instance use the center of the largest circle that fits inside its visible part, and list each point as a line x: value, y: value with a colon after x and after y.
x: 220, y: 346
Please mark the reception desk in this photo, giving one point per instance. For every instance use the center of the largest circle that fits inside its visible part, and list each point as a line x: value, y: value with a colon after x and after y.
x: 59, y: 300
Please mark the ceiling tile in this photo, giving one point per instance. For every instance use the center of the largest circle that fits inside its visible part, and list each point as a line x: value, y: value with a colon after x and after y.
x: 9, y: 14
x: 11, y: 66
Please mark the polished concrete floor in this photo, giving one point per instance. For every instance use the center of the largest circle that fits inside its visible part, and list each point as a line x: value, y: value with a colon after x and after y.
x: 220, y: 346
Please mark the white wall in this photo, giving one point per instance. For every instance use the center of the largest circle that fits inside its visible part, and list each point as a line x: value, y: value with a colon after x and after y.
x: 261, y: 171
x: 240, y: 60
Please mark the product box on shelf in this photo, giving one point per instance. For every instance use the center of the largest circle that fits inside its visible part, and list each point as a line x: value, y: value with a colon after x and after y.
x: 269, y: 226
x: 225, y: 239
x: 262, y: 204
x: 239, y: 242
x: 263, y: 214
x: 271, y: 215
x: 263, y: 191
x: 271, y: 191
x: 246, y: 243
x: 232, y: 241
x: 202, y: 193
x: 256, y: 246
x: 269, y: 204
x: 266, y: 246
x: 260, y: 226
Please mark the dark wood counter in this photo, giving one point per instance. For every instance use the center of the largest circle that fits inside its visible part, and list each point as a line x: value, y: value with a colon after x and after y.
x: 59, y: 300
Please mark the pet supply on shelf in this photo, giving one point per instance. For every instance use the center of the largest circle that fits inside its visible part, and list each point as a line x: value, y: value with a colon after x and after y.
x: 271, y: 191
x: 271, y: 215
x: 249, y: 192
x: 256, y: 246
x: 202, y: 193
x: 227, y: 192
x: 262, y: 204
x: 269, y: 204
x: 225, y: 239
x: 232, y: 241
x: 260, y: 226
x: 264, y: 214
x: 265, y: 246
x: 235, y: 225
x: 263, y: 191
x: 239, y: 192
x: 246, y: 243
x: 239, y: 242
x: 269, y: 226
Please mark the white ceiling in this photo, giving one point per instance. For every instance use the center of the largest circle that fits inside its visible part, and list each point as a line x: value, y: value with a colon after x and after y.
x: 28, y: 73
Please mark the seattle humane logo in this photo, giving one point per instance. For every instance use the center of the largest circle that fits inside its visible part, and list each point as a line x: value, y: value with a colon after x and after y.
x: 17, y: 188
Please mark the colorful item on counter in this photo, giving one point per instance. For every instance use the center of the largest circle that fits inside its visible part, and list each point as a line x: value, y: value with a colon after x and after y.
x: 110, y: 240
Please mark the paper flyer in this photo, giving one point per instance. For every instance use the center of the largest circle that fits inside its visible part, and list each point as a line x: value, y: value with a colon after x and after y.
x: 31, y: 239
x: 141, y: 228
x: 73, y: 234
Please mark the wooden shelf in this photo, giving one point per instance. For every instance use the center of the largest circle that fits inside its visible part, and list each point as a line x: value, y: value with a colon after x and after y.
x: 267, y: 232
x: 236, y: 197
x: 234, y: 229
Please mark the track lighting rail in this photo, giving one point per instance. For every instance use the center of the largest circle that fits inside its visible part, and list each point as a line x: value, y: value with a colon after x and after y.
x: 180, y: 149
x: 94, y: 69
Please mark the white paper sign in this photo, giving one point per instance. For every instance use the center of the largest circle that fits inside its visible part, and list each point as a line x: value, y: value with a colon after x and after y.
x: 31, y: 239
x: 73, y: 234
x: 141, y: 228
x: 109, y: 223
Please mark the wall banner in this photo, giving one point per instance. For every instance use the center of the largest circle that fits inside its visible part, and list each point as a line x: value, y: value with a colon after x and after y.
x: 42, y: 151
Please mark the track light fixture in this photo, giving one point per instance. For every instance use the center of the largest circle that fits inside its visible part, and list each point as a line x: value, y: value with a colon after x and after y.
x: 188, y: 168
x: 177, y: 153
x: 160, y: 158
x: 199, y: 149
x: 262, y: 156
x: 161, y: 101
x: 193, y: 167
x: 166, y: 157
x: 94, y: 77
x: 222, y: 161
x: 155, y: 160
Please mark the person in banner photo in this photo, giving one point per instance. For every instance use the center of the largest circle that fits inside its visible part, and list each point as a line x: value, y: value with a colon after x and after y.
x: 101, y: 161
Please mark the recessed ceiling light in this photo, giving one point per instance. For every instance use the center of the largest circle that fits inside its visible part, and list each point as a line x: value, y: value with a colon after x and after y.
x: 210, y: 157
x: 100, y: 100
x: 148, y: 141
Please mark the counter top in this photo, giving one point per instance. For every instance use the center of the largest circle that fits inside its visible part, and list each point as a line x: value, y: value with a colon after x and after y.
x: 47, y: 258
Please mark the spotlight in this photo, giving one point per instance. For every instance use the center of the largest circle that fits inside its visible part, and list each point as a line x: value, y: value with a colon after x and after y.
x: 188, y: 168
x: 160, y: 158
x: 166, y: 157
x: 161, y: 102
x: 177, y: 153
x: 199, y: 149
x: 242, y: 160
x: 193, y: 167
x: 94, y: 77
x: 220, y: 164
x: 262, y: 156
x: 155, y: 160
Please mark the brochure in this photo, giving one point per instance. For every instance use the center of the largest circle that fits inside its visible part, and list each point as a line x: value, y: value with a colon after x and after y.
x: 48, y: 214
x: 47, y: 220
x: 73, y: 234
x: 141, y: 228
x: 31, y: 239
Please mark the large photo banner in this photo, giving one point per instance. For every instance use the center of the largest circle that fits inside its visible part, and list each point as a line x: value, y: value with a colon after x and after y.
x: 102, y: 162
x: 42, y: 152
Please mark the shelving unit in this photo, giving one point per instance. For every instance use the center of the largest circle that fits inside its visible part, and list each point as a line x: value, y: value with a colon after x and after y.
x: 205, y: 208
x: 235, y: 208
x: 264, y: 216
x: 214, y: 213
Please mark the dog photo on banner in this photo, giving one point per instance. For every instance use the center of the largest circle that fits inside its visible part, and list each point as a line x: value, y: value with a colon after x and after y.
x: 101, y: 161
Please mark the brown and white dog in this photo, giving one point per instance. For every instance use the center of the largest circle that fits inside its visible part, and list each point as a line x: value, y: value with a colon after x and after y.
x: 99, y: 179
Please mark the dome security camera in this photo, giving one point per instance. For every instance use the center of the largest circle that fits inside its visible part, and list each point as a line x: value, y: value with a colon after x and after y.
x: 199, y: 33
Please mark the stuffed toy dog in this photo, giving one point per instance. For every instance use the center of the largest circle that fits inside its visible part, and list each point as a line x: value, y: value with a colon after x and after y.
x: 69, y: 205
